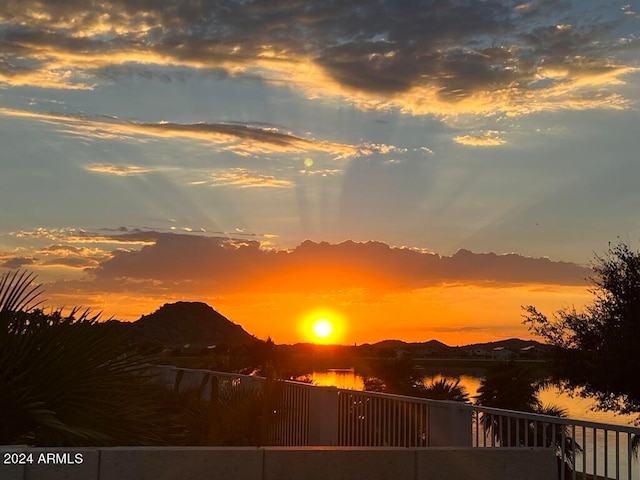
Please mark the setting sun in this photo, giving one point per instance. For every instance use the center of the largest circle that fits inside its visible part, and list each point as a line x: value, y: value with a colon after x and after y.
x: 323, y: 326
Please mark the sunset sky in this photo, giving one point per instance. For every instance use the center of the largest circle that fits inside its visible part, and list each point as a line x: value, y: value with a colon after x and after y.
x: 412, y: 169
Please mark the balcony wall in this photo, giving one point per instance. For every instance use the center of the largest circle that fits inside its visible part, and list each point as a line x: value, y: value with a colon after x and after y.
x: 286, y: 463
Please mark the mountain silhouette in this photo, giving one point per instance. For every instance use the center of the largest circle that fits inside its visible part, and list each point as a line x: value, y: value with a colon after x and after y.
x: 194, y: 323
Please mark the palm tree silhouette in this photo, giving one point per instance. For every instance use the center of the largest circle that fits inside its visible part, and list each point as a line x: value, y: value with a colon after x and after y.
x: 512, y: 386
x: 70, y: 380
x: 445, y: 389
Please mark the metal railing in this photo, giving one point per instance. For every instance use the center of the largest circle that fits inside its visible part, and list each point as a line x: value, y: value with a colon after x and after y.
x: 311, y: 415
x: 585, y: 449
x: 374, y: 419
x: 293, y: 429
x: 371, y: 420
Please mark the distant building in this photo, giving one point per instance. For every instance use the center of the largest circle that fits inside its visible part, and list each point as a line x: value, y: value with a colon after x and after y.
x: 532, y: 351
x: 401, y: 352
x: 479, y: 353
x: 428, y: 352
x: 501, y: 353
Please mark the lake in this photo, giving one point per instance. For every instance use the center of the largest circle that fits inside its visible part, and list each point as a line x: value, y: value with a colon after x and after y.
x: 576, y: 407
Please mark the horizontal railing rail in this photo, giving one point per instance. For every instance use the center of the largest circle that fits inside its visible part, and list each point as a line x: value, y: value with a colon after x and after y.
x: 541, y: 417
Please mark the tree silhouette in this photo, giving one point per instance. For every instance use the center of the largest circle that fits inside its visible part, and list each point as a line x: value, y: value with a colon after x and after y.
x: 400, y: 375
x: 509, y: 386
x: 397, y: 375
x: 598, y: 347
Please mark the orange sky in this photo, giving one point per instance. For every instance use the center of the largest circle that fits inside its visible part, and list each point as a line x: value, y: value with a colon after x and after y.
x: 454, y: 314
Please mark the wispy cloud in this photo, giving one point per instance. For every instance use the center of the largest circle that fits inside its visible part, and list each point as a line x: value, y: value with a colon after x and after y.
x: 241, y: 177
x: 119, y: 170
x: 68, y: 241
x: 486, y: 139
x: 74, y: 236
x: 237, y: 138
x: 322, y: 172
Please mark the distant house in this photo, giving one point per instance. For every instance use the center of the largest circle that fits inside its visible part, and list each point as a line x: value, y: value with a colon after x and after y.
x: 479, y: 353
x: 501, y: 353
x: 402, y: 352
x: 531, y: 351
x: 427, y: 352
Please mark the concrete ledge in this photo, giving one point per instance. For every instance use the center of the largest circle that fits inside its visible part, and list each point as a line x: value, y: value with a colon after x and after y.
x: 282, y: 463
x: 11, y: 470
x: 188, y: 463
x: 63, y: 464
x: 486, y: 463
x: 346, y: 463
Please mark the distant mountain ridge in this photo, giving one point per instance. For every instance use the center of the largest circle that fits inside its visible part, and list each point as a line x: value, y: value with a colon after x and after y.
x: 435, y: 344
x: 513, y: 344
x: 194, y: 323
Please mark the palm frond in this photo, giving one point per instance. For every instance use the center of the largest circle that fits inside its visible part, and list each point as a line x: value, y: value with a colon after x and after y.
x: 19, y: 292
x: 71, y: 380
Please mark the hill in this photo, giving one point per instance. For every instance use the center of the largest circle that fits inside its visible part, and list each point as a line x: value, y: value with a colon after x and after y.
x: 194, y: 323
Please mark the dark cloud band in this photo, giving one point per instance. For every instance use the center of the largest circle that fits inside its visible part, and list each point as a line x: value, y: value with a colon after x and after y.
x: 237, y: 265
x: 422, y: 56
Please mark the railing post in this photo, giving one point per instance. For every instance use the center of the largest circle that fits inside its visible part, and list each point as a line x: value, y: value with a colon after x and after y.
x: 450, y: 425
x: 178, y: 380
x: 166, y: 374
x: 323, y: 416
x: 213, y: 433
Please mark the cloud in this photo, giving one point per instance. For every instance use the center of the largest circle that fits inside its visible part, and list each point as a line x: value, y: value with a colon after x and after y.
x: 241, y: 177
x: 322, y: 172
x: 18, y: 262
x: 69, y: 256
x: 445, y: 58
x: 237, y: 138
x: 119, y: 170
x: 71, y: 262
x: 71, y: 235
x: 57, y: 255
x: 67, y: 238
x: 486, y: 139
x: 219, y: 264
x: 628, y: 10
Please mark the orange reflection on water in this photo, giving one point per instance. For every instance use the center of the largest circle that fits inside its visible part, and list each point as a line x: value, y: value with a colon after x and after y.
x: 338, y: 377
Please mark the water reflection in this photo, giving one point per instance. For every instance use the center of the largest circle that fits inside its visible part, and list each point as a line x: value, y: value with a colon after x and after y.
x: 339, y: 377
